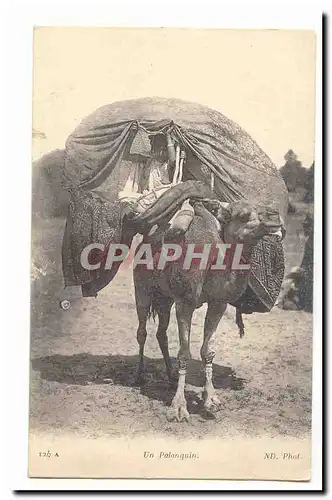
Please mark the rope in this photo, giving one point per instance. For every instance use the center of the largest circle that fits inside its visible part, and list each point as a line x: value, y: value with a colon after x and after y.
x: 212, y: 181
x: 182, y: 158
x: 177, y: 165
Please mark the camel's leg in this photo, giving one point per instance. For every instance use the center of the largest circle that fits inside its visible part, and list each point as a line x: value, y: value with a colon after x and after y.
x: 143, y: 302
x: 178, y: 410
x: 213, y: 316
x: 164, y: 313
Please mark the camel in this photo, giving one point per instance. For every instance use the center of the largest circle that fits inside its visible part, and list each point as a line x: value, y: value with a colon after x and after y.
x: 157, y: 290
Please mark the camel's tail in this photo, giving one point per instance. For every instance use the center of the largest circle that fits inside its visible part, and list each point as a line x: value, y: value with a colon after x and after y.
x: 160, y: 303
x: 153, y: 310
x: 239, y: 322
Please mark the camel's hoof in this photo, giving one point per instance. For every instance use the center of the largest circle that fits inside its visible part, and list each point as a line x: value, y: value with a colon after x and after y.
x: 178, y: 414
x: 212, y: 404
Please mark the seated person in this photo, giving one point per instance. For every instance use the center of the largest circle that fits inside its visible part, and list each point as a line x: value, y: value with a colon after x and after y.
x: 153, y: 173
x: 153, y: 177
x: 160, y: 166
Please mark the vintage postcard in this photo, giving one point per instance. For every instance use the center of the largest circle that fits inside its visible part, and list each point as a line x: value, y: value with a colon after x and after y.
x: 172, y: 253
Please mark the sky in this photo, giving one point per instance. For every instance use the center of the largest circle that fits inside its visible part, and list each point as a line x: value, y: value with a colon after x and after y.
x: 262, y: 79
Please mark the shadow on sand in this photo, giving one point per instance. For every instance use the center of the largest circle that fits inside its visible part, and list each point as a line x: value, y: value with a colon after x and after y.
x: 88, y: 369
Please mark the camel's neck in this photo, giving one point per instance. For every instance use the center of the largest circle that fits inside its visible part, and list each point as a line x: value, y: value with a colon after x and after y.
x: 246, y: 248
x: 210, y: 221
x: 228, y: 237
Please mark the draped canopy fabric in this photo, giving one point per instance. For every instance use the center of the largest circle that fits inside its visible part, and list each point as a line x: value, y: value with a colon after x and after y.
x: 215, y: 144
x: 96, y: 163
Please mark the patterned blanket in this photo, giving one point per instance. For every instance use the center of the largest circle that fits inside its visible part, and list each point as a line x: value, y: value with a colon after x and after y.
x: 91, y: 219
x: 266, y: 276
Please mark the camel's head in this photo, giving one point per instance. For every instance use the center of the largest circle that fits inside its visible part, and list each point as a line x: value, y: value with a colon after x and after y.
x: 244, y: 223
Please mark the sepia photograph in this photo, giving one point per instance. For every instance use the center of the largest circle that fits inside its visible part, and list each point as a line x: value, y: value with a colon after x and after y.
x: 172, y: 253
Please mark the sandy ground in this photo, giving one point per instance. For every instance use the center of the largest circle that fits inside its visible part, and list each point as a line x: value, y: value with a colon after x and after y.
x: 84, y: 360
